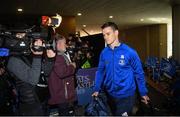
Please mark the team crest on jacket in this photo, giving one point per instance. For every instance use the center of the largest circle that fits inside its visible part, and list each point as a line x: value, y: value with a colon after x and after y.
x: 122, y: 60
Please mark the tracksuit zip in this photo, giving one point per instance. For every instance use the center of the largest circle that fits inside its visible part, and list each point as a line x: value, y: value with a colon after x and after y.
x: 113, y: 65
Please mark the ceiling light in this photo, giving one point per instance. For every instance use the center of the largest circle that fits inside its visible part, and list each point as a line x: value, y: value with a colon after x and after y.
x: 19, y: 10
x: 110, y: 16
x: 79, y: 14
x: 163, y: 18
x: 141, y: 19
x: 84, y: 26
x: 158, y: 19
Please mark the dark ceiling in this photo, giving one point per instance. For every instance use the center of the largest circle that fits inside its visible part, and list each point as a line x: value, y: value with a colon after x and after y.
x: 126, y: 13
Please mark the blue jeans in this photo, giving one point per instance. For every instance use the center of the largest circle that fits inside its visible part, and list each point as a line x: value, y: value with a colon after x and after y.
x: 121, y: 105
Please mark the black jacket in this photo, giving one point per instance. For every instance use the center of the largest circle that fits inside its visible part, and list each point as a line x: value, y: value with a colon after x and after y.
x: 27, y: 74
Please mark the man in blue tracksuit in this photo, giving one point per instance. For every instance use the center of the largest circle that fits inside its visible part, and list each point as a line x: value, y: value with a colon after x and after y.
x: 118, y: 72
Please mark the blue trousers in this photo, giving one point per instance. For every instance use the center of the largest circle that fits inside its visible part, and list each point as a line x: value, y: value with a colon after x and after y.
x: 121, y: 105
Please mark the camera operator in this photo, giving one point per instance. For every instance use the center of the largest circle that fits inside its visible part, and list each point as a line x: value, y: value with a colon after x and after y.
x: 26, y: 71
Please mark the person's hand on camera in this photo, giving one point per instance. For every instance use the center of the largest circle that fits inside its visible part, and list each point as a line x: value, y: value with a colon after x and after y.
x: 38, y: 42
x: 50, y: 53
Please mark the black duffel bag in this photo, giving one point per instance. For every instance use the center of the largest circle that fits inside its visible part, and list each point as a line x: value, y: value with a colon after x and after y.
x: 97, y: 107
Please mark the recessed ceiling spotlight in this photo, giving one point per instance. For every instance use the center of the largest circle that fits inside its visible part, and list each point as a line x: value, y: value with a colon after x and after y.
x: 19, y: 10
x: 84, y: 26
x: 141, y: 20
x: 110, y: 16
x: 79, y: 14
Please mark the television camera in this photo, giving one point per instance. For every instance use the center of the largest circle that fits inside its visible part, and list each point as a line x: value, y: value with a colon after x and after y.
x: 20, y: 40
